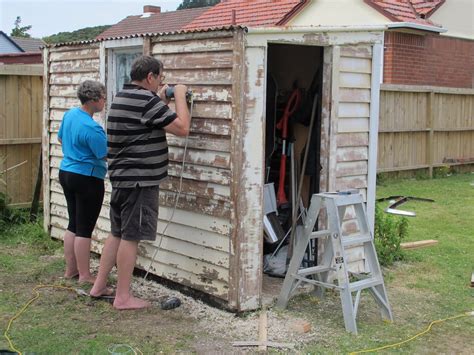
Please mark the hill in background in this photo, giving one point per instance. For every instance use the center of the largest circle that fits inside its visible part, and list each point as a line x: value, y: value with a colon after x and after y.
x: 82, y: 34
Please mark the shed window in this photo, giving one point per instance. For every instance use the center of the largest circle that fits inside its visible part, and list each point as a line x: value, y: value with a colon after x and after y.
x: 123, y: 63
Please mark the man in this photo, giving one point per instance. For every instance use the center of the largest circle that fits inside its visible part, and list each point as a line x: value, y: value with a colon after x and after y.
x: 138, y: 162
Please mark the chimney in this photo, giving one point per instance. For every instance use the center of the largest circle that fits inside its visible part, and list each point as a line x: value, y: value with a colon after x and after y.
x: 151, y: 9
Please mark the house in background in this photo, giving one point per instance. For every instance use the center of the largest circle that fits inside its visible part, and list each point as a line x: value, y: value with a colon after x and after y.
x: 427, y: 42
x: 15, y: 50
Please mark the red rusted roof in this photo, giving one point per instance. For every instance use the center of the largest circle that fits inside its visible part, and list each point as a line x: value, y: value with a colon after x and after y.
x: 155, y: 23
x: 417, y: 11
x: 250, y: 13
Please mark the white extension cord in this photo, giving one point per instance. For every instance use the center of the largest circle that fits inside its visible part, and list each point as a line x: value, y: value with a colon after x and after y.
x: 178, y: 195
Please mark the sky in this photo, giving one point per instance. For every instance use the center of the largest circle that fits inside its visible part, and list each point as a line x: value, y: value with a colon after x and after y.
x: 48, y: 17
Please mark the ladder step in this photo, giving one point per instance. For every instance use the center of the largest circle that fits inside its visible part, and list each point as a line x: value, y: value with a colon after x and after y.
x: 356, y: 239
x: 320, y: 234
x: 315, y: 270
x: 366, y: 283
x: 347, y: 200
x: 317, y: 283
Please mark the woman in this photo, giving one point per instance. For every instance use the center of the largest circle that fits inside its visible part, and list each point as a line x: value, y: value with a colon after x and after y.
x: 81, y: 174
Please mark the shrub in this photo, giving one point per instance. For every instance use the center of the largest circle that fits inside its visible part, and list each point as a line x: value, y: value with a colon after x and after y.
x: 390, y: 230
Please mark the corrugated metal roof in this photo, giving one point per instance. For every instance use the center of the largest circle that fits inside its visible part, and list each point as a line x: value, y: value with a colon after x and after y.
x: 153, y: 34
x: 156, y: 22
x: 250, y: 13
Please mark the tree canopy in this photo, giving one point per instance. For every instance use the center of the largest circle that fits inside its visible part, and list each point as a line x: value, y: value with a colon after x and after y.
x: 20, y: 31
x: 191, y: 4
x: 82, y: 34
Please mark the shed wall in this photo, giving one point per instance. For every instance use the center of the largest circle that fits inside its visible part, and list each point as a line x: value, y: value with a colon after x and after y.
x: 195, y: 249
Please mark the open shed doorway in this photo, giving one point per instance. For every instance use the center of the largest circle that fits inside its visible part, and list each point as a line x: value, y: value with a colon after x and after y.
x: 294, y: 84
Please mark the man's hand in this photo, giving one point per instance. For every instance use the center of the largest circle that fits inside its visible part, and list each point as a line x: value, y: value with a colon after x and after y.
x: 180, y: 91
x: 162, y: 94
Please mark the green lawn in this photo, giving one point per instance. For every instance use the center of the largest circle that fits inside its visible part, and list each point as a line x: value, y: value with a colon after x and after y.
x: 429, y: 284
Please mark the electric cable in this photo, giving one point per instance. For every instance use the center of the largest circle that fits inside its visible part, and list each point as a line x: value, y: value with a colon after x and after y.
x: 466, y: 314
x: 178, y: 194
x: 23, y: 309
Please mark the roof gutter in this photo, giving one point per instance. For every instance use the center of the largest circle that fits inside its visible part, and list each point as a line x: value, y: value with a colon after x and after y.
x: 315, y: 29
x: 416, y: 26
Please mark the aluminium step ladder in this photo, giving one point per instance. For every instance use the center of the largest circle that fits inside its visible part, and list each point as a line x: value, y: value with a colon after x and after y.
x: 334, y: 257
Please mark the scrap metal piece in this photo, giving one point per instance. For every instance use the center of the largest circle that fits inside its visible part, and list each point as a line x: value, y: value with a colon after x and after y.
x: 392, y: 208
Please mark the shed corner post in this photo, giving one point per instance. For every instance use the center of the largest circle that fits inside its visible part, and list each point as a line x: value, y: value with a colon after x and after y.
x: 45, y: 145
x: 245, y: 281
x: 377, y: 56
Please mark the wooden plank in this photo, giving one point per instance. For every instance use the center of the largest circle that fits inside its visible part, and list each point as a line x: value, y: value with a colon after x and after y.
x: 191, y: 203
x: 3, y: 111
x: 354, y: 80
x: 78, y: 54
x: 16, y: 141
x: 73, y: 78
x: 418, y: 244
x: 197, y: 188
x: 74, y: 66
x: 211, y: 126
x: 351, y: 168
x: 215, y: 110
x: 356, y: 65
x: 353, y: 125
x: 21, y: 69
x: 213, y: 93
x: 200, y: 157
x: 351, y: 182
x: 359, y: 51
x: 200, y: 60
x: 352, y: 139
x: 355, y: 95
x: 45, y: 145
x: 193, y: 46
x: 37, y: 106
x: 63, y: 90
x: 200, y: 173
x: 201, y: 141
x: 426, y: 89
x: 354, y: 110
x: 344, y: 154
x: 63, y: 103
x: 199, y: 76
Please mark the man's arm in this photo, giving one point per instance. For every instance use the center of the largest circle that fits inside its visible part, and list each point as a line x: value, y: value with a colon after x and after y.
x: 180, y: 126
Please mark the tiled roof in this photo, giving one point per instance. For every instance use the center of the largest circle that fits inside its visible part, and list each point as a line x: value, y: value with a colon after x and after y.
x: 155, y: 23
x: 416, y: 11
x: 29, y: 44
x: 250, y: 13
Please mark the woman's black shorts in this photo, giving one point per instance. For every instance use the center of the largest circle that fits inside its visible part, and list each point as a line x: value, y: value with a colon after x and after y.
x: 84, y: 196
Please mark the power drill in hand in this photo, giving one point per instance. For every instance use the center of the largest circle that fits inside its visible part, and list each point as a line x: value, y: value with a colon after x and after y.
x: 169, y: 93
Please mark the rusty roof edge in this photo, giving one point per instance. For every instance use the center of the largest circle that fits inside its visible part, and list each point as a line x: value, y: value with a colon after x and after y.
x: 149, y: 34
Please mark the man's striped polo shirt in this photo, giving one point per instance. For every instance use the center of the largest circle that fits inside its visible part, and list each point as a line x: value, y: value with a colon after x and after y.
x: 136, y: 140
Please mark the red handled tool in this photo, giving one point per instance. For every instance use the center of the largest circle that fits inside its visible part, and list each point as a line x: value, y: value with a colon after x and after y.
x: 291, y: 106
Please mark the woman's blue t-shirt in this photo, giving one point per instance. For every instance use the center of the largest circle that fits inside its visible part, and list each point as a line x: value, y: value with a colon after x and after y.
x: 84, y: 144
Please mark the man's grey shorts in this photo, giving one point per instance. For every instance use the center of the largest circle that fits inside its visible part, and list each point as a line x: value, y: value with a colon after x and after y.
x: 134, y: 213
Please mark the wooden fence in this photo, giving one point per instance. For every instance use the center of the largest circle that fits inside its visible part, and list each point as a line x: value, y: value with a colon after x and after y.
x: 423, y: 127
x: 21, y: 110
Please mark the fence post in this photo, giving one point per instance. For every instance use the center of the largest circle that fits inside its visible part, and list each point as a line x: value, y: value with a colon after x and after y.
x: 430, y: 125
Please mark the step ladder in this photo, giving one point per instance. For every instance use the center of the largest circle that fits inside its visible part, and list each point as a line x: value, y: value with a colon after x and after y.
x: 334, y: 257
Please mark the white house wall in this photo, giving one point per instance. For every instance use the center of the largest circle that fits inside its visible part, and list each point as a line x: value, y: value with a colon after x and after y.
x: 457, y: 16
x: 338, y: 13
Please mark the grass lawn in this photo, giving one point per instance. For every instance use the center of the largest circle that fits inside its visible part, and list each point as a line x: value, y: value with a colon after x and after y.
x: 430, y: 284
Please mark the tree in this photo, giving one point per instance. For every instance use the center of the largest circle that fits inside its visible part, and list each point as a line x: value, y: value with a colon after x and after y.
x: 191, y: 4
x: 20, y: 31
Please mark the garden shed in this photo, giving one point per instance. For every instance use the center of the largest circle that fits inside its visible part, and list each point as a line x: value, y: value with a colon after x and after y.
x: 214, y: 243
